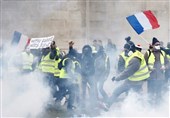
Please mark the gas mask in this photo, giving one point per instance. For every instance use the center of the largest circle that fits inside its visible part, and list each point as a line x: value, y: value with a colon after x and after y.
x: 157, y: 47
x: 128, y: 53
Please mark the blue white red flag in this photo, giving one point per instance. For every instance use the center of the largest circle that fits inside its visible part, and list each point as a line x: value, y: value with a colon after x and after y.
x: 20, y: 40
x: 143, y: 21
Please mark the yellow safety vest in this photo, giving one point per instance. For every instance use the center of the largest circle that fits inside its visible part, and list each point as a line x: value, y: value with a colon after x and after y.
x: 123, y: 56
x: 57, y: 51
x: 27, y: 60
x: 168, y: 56
x: 143, y: 71
x: 47, y: 65
x: 94, y: 49
x: 151, y: 59
x: 63, y: 73
x: 57, y: 70
x: 76, y: 63
x: 77, y: 75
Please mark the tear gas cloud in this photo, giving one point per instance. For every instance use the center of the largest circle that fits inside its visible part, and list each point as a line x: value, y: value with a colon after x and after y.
x: 137, y: 105
x: 134, y: 104
x: 28, y: 95
x: 22, y: 95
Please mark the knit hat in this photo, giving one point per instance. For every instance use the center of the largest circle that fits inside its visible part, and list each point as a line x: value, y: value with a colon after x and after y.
x: 128, y: 38
x: 130, y: 46
x: 154, y: 40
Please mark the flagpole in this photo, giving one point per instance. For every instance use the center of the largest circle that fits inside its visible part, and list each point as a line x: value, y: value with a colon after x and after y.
x: 144, y: 39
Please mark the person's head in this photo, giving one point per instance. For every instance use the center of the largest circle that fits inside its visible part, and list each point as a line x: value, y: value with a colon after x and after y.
x: 87, y: 50
x: 128, y: 38
x: 109, y: 41
x: 168, y: 45
x: 53, y: 45
x: 155, y: 44
x: 129, y: 48
x: 95, y: 42
x: 114, y: 47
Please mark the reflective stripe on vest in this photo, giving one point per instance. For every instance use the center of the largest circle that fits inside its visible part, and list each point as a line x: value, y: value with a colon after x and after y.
x: 76, y: 63
x: 63, y: 73
x: 57, y: 51
x: 143, y: 72
x: 76, y: 74
x: 151, y: 59
x: 27, y: 61
x: 94, y: 49
x: 63, y: 62
x: 57, y: 71
x: 47, y: 65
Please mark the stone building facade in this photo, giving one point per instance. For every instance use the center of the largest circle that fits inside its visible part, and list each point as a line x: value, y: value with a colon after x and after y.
x: 81, y: 20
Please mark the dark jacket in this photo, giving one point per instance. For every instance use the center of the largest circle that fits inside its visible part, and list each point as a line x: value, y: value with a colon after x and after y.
x: 121, y: 64
x: 87, y: 65
x: 102, y: 64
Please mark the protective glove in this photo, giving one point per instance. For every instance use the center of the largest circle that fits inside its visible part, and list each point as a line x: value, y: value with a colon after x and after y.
x: 71, y: 43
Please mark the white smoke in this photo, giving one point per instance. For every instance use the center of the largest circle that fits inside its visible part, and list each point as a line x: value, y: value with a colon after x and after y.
x: 134, y: 105
x: 137, y: 105
x: 22, y: 95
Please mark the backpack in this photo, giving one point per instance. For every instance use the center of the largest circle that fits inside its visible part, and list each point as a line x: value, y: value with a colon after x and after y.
x: 151, y: 52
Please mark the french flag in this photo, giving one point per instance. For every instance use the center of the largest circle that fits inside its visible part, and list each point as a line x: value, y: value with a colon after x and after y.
x: 20, y: 41
x: 143, y: 21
